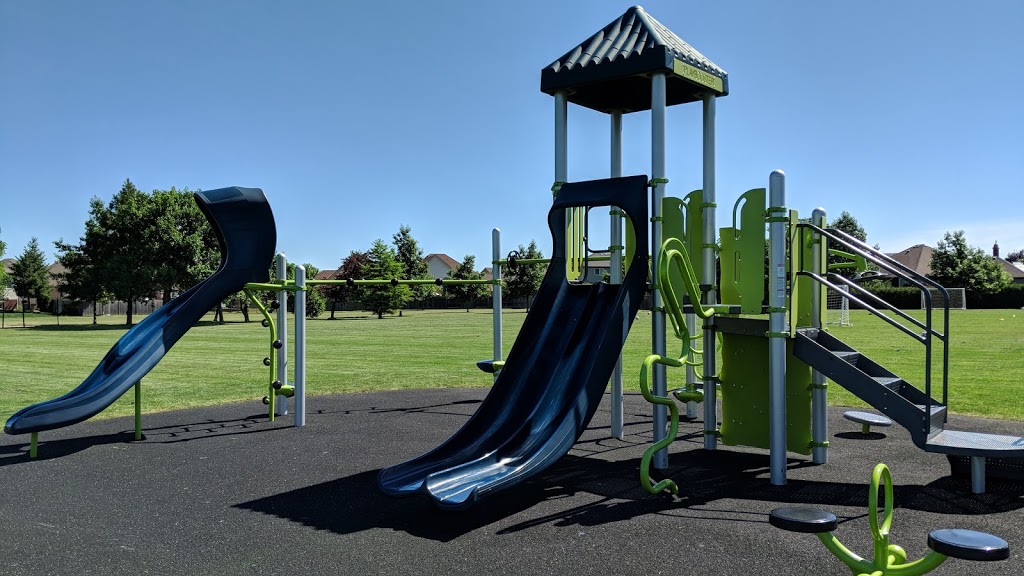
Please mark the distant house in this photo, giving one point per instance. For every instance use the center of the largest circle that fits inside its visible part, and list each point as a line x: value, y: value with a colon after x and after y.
x: 1015, y: 270
x: 7, y: 293
x: 440, y: 264
x: 326, y: 275
x: 919, y: 259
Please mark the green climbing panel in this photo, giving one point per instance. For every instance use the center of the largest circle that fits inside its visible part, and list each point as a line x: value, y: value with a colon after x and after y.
x: 693, y: 237
x: 742, y: 254
x: 575, y: 249
x: 744, y: 387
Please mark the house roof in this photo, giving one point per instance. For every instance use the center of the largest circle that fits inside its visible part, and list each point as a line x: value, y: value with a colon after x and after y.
x: 325, y: 275
x: 487, y: 273
x: 918, y: 258
x: 610, y: 71
x: 448, y: 260
x: 7, y: 262
x: 1013, y: 270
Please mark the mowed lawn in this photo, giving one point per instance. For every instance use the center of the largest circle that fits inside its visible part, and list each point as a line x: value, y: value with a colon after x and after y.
x: 213, y: 363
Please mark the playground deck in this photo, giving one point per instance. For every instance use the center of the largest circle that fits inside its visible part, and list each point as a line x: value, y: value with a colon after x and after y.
x: 221, y: 491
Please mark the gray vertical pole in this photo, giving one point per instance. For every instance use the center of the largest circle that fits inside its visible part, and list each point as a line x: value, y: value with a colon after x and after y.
x: 776, y: 327
x: 281, y: 402
x: 300, y: 345
x: 819, y: 394
x: 561, y: 138
x: 616, y: 269
x: 708, y: 277
x: 496, y: 294
x: 658, y: 312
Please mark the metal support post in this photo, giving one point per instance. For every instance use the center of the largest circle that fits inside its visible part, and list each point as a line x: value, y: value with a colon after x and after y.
x: 496, y: 294
x: 708, y: 277
x: 658, y: 108
x: 300, y: 345
x: 777, y: 232
x: 280, y: 401
x: 819, y: 393
x: 616, y: 250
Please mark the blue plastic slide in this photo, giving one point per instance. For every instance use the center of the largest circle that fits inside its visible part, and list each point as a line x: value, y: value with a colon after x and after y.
x: 244, y: 225
x: 555, y: 374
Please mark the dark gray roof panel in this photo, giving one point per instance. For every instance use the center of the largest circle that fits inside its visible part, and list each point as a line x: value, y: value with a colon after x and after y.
x: 607, y: 72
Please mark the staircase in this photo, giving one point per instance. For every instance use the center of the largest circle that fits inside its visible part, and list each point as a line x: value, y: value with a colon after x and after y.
x: 891, y: 395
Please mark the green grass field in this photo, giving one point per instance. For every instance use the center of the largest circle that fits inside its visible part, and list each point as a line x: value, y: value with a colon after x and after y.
x: 213, y: 364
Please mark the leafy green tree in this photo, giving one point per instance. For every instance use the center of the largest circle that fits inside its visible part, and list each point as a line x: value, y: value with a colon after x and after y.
x: 466, y: 293
x: 847, y: 223
x: 4, y: 280
x: 410, y: 255
x: 957, y: 265
x: 29, y: 275
x: 523, y: 282
x: 127, y: 247
x: 186, y: 249
x: 382, y: 264
x: 351, y: 267
x: 82, y: 278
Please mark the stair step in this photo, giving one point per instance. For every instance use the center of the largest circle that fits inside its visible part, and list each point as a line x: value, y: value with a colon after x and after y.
x: 850, y: 356
x: 892, y: 383
x: 936, y: 408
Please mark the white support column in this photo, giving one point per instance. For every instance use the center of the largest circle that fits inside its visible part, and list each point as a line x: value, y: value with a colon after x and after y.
x: 300, y: 345
x: 708, y: 277
x: 615, y: 273
x: 776, y: 327
x: 281, y: 402
x: 658, y: 108
x: 819, y: 393
x: 496, y: 293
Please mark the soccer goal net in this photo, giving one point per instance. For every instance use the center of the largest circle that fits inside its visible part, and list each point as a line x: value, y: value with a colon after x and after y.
x: 957, y: 298
x: 837, y: 311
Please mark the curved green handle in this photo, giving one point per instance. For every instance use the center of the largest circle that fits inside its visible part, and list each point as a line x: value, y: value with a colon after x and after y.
x: 673, y: 427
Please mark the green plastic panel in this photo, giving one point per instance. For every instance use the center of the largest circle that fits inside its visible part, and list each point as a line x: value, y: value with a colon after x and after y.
x: 694, y: 229
x: 672, y: 222
x: 629, y: 240
x: 574, y: 245
x: 744, y: 379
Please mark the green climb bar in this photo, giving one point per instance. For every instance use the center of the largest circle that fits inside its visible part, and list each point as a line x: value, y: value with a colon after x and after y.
x: 138, y: 410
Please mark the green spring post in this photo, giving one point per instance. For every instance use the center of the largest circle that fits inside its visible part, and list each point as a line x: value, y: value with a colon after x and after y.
x: 138, y: 410
x: 33, y: 447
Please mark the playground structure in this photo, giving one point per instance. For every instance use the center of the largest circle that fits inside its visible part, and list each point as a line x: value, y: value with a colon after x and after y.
x: 773, y: 375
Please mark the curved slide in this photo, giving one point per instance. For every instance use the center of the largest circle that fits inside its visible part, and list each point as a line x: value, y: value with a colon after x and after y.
x: 555, y: 374
x: 244, y: 225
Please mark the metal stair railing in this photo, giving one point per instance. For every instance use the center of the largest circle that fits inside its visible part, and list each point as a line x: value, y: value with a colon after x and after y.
x: 862, y: 249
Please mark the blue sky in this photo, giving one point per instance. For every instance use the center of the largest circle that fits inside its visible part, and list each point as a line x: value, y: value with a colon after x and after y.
x: 356, y: 118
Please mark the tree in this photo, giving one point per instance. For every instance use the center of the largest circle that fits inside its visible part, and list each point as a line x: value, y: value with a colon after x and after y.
x: 82, y: 277
x: 129, y: 246
x: 382, y: 264
x: 186, y: 248
x: 410, y: 255
x: 316, y: 303
x: 957, y: 265
x: 523, y: 281
x: 351, y: 267
x: 1017, y: 256
x: 466, y: 293
x: 30, y: 276
x: 847, y: 223
x: 4, y: 280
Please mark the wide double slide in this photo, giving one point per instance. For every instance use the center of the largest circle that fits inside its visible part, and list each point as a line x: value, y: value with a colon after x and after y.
x: 244, y: 225
x: 555, y: 374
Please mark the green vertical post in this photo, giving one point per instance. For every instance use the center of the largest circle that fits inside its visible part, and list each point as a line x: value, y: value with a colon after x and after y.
x: 33, y: 447
x: 138, y: 410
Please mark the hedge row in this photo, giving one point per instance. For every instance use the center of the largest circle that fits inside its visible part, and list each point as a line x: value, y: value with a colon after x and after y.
x: 909, y: 298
